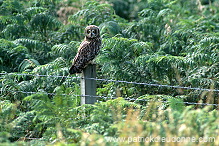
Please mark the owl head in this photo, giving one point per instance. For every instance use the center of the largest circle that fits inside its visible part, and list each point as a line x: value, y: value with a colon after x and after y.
x: 92, y: 31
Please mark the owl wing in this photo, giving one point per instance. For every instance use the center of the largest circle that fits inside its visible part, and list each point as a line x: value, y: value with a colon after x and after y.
x: 86, y: 53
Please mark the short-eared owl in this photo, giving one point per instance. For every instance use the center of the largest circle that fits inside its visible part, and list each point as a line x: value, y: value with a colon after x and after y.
x: 88, y: 49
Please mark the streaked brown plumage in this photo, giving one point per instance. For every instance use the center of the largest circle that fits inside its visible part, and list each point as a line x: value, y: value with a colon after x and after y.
x: 88, y: 49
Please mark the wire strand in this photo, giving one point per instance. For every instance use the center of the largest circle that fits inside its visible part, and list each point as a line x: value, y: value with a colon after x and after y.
x: 38, y: 75
x: 117, y: 81
x: 106, y: 98
x: 157, y: 85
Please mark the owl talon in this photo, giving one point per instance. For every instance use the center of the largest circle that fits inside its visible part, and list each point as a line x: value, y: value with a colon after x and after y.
x: 92, y: 62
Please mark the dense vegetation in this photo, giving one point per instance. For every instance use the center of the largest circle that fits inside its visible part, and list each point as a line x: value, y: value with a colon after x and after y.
x: 159, y: 42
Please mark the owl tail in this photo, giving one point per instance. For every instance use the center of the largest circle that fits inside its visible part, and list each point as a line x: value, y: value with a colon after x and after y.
x: 74, y: 70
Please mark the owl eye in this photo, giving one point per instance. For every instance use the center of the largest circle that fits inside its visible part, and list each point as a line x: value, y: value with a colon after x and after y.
x: 93, y: 31
x: 88, y: 31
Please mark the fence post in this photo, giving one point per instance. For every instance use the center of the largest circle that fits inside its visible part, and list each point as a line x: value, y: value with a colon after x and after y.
x: 88, y: 86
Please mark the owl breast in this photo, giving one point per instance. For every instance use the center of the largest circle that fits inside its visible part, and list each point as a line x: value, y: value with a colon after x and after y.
x: 88, y: 50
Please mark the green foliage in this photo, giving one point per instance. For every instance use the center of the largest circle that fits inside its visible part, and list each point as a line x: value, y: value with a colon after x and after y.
x: 148, y: 41
x: 109, y: 29
x: 119, y: 64
x: 42, y: 22
x: 11, y: 7
x: 67, y: 51
x: 128, y: 9
x: 103, y: 115
x: 37, y: 49
x: 93, y: 13
x: 27, y: 65
x: 11, y: 55
x: 15, y: 31
x: 32, y: 11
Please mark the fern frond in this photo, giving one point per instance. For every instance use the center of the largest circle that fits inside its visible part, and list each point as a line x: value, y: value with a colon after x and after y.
x: 65, y: 51
x: 164, y: 13
x: 93, y: 13
x: 14, y: 31
x: 168, y: 67
x: 69, y: 33
x: 37, y: 49
x: 12, y: 55
x: 109, y: 29
x: 8, y: 111
x: 209, y: 40
x: 199, y: 58
x: 50, y: 67
x: 27, y: 65
x: 11, y: 7
x: 32, y: 45
x: 31, y: 11
x: 23, y: 125
x: 42, y: 22
x: 146, y: 13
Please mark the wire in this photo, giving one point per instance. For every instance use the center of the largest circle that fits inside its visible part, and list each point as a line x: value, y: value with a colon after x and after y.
x: 117, y: 81
x: 106, y: 98
x: 109, y: 80
x: 158, y: 85
x: 37, y: 75
x: 30, y: 92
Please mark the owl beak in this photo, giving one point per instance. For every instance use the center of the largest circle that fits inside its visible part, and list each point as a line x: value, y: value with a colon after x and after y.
x: 92, y: 35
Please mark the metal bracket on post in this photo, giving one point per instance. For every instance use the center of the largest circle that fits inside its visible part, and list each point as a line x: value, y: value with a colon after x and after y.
x: 88, y: 86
